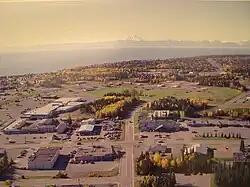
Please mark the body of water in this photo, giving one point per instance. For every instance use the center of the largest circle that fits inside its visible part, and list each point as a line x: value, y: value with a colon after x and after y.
x: 47, y: 61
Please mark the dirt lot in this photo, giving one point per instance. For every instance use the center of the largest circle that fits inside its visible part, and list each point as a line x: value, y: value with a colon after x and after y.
x: 105, y: 169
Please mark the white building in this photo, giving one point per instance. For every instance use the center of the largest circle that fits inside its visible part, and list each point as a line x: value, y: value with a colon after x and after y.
x: 13, y: 127
x: 196, y: 148
x: 44, y: 158
x: 88, y: 121
x: 43, y: 112
x: 86, y: 129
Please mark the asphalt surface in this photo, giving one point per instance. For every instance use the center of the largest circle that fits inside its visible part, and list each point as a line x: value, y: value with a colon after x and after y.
x: 127, y: 163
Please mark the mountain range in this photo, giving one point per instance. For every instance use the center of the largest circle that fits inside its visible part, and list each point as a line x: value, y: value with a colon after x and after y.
x: 136, y: 41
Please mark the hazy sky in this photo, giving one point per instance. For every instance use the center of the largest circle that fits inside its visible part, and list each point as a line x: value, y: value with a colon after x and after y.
x: 27, y: 23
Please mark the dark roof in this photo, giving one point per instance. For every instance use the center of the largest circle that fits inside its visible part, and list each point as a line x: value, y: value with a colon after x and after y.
x: 159, y: 148
x: 44, y: 154
x: 159, y: 125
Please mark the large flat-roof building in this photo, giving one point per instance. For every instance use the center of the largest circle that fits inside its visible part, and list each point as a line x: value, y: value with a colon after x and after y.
x: 161, y: 149
x: 95, y: 154
x: 88, y: 129
x: 44, y: 158
x: 160, y: 126
x: 46, y: 111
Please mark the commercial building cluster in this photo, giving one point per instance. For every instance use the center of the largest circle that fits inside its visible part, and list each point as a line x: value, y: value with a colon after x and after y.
x: 43, y: 119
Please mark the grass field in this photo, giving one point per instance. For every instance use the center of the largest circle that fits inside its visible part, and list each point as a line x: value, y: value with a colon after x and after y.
x: 218, y: 95
x: 101, y: 92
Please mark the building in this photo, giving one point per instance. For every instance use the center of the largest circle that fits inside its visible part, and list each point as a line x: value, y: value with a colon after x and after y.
x: 14, y: 127
x: 88, y: 130
x: 66, y: 100
x: 166, y: 114
x: 160, y: 126
x: 161, y: 149
x: 69, y: 107
x: 88, y: 121
x: 196, y: 148
x: 96, y: 154
x: 47, y: 111
x: 43, y: 158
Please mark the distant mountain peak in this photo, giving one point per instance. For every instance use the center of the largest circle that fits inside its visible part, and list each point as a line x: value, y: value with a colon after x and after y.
x: 134, y: 38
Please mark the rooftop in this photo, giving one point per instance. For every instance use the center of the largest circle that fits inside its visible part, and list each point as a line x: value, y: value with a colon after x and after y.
x: 93, y: 151
x: 159, y: 148
x: 44, y: 154
x: 45, y: 110
x: 66, y: 100
x: 89, y: 128
x: 15, y: 124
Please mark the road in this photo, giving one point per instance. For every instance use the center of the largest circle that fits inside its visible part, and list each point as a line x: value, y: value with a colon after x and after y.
x: 215, y: 64
x: 127, y: 163
x: 43, y: 182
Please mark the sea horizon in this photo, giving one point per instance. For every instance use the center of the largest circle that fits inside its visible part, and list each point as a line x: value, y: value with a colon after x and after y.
x: 31, y: 61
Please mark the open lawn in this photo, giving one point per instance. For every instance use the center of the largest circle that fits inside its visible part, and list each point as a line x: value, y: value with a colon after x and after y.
x: 102, y: 91
x: 216, y: 95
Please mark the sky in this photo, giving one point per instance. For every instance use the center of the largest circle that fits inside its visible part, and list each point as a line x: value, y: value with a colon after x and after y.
x: 27, y: 23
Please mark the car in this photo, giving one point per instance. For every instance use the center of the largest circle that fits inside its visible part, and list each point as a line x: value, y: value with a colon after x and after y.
x: 79, y: 143
x: 161, y: 141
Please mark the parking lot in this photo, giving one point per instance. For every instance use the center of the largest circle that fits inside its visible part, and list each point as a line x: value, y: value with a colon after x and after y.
x: 224, y: 148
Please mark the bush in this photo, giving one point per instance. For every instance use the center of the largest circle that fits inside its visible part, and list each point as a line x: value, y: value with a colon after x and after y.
x: 8, y: 182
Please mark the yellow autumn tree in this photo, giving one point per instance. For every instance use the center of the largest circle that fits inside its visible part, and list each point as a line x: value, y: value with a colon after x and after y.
x: 157, y: 157
x: 172, y: 163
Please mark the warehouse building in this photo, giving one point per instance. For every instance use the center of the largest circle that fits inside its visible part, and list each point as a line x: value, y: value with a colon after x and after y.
x: 47, y: 111
x: 24, y: 126
x: 43, y: 158
x: 89, y: 130
x: 96, y: 154
x: 161, y: 149
x: 160, y: 126
x: 14, y: 127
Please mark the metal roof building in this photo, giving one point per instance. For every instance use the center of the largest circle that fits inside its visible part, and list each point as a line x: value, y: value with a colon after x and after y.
x: 44, y: 158
x: 86, y: 128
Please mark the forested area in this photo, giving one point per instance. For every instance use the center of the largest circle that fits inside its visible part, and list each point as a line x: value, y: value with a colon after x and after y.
x: 242, y: 113
x: 189, y: 106
x: 113, y: 104
x: 220, y: 81
x: 195, y: 163
x: 163, y: 180
x: 232, y: 175
x: 5, y: 164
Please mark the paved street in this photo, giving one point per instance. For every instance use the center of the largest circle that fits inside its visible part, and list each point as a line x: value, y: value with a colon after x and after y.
x: 127, y: 163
